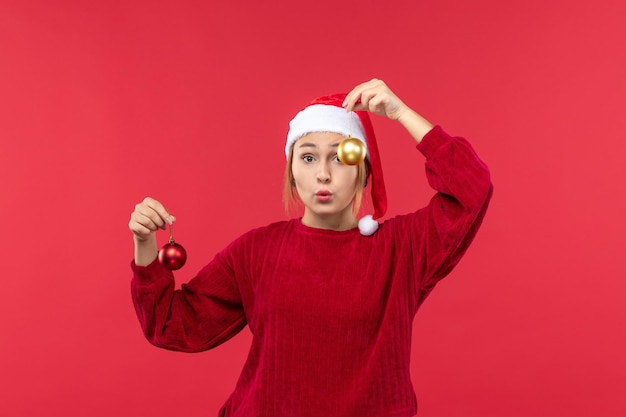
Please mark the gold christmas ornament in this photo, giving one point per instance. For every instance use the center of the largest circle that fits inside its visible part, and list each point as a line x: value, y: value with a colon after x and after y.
x: 351, y: 151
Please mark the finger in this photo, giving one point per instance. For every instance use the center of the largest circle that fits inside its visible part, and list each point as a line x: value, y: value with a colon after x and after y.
x: 139, y: 230
x: 363, y: 101
x: 350, y: 102
x: 353, y: 97
x: 359, y: 107
x: 159, y: 209
x: 377, y: 104
x: 145, y: 217
x: 362, y: 93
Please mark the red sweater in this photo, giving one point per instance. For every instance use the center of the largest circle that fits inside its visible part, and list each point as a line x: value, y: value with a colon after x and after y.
x: 330, y: 312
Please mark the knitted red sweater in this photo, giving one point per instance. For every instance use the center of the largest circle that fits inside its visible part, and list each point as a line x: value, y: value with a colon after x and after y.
x: 330, y: 312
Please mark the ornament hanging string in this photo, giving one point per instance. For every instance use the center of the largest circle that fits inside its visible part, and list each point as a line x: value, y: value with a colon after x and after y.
x: 171, y: 226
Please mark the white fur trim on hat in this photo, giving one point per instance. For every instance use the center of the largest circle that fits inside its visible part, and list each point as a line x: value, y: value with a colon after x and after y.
x: 367, y: 225
x: 324, y: 118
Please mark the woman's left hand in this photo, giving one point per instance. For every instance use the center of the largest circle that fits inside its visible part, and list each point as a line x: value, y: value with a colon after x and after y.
x: 376, y: 98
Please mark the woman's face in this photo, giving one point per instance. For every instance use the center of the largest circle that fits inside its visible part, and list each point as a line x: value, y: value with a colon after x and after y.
x: 325, y: 185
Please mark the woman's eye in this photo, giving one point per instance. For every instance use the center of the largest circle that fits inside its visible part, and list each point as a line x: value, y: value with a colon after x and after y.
x: 307, y: 158
x: 336, y: 159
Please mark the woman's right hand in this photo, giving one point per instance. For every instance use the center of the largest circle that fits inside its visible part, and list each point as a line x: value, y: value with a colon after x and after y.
x: 149, y: 216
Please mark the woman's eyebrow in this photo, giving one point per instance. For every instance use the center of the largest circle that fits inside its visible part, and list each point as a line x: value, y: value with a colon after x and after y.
x: 312, y: 145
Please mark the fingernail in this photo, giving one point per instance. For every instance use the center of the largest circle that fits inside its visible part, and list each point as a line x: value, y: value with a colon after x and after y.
x: 169, y: 220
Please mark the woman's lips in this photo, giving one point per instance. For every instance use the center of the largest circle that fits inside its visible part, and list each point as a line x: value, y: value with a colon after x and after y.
x: 323, y: 195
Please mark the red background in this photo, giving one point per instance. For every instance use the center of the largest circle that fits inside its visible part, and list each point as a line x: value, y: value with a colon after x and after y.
x: 103, y: 103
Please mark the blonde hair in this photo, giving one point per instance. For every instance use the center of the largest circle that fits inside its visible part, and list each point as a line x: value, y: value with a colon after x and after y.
x: 291, y: 199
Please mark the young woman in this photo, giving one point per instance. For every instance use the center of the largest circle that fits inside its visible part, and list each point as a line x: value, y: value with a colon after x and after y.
x: 329, y: 299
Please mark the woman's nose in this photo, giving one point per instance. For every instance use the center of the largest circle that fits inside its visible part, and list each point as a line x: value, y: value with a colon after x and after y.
x: 323, y: 174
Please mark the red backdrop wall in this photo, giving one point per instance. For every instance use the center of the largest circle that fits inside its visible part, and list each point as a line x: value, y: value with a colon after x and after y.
x: 103, y: 103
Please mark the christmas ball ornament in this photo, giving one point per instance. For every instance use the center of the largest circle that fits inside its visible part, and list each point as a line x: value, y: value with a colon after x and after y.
x: 172, y: 255
x: 351, y: 151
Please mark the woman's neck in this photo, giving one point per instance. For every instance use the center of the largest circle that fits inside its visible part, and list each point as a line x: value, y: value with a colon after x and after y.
x: 336, y: 221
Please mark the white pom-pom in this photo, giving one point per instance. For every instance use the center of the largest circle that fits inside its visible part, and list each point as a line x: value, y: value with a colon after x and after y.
x: 367, y: 225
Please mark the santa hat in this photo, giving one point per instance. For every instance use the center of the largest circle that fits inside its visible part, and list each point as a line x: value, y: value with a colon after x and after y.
x: 326, y: 114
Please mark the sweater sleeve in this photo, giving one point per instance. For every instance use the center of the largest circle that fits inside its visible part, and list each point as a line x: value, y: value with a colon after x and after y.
x: 439, y: 234
x: 201, y: 315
